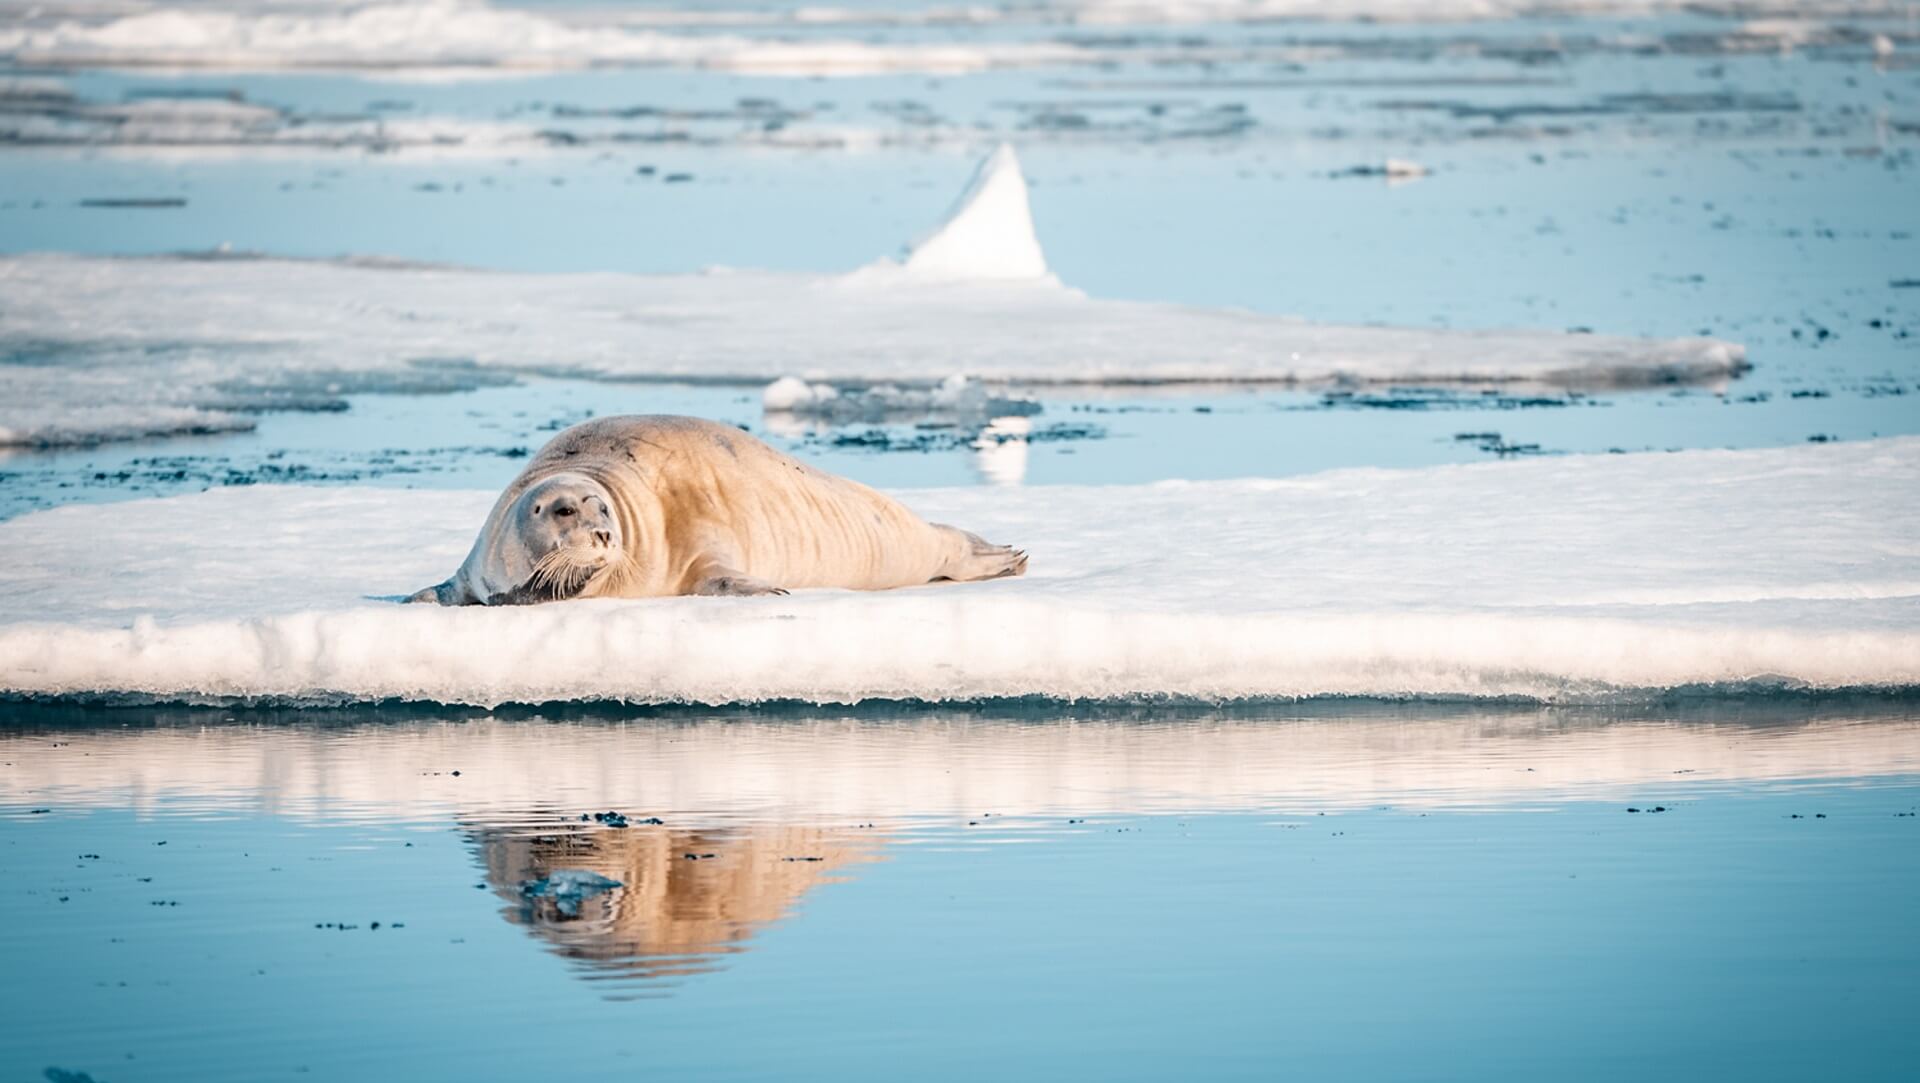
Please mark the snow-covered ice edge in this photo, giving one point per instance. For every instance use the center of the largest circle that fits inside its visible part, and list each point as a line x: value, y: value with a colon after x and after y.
x: 1582, y: 578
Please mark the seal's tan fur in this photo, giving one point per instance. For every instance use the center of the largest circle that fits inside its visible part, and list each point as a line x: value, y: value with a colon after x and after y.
x: 698, y: 507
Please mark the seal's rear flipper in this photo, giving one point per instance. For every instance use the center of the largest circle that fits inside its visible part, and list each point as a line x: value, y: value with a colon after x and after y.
x: 981, y: 559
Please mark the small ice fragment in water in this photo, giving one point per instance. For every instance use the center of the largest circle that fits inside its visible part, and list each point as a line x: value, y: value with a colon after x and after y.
x: 957, y: 398
x: 148, y: 203
x: 568, y: 888
x: 1394, y: 170
x: 792, y: 394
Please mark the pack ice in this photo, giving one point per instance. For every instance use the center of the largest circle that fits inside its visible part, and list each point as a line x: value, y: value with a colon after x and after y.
x: 1578, y: 578
x: 452, y: 37
x: 459, y: 36
x: 111, y: 349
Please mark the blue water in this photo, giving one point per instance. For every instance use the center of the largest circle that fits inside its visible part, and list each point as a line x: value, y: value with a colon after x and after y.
x: 1437, y: 915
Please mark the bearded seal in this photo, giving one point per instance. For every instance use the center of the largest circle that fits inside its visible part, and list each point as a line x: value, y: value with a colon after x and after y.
x: 647, y: 507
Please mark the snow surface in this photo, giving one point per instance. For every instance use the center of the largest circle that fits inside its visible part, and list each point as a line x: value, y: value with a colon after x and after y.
x: 106, y: 349
x: 1563, y: 579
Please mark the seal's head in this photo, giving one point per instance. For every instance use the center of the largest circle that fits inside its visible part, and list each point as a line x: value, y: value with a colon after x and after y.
x: 556, y: 540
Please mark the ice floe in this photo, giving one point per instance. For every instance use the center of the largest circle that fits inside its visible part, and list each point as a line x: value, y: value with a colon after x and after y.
x: 162, y: 335
x: 456, y: 34
x: 95, y: 349
x: 46, y: 113
x: 1564, y: 579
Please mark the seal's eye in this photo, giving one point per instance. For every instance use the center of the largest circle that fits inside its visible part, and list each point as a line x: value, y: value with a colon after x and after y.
x: 562, y: 512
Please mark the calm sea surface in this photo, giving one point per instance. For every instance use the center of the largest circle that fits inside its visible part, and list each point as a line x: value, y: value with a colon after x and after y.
x: 1359, y: 892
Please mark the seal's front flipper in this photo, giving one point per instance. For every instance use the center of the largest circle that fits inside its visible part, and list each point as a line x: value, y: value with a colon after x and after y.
x: 438, y: 594
x: 981, y: 559
x: 718, y: 582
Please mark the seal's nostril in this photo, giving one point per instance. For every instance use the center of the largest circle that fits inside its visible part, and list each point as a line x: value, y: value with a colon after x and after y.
x: 602, y: 538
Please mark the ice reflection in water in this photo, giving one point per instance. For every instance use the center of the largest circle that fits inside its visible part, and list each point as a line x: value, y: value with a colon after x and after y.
x: 756, y: 809
x: 728, y: 768
x: 1000, y: 451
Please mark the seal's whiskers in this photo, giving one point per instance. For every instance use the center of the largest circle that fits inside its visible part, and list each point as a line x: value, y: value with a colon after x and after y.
x: 565, y: 570
x: 612, y: 580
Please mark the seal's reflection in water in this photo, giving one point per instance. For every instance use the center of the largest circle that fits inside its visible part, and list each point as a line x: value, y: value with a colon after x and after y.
x: 685, y: 900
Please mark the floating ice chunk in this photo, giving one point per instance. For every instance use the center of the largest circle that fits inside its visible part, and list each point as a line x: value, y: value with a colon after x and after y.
x: 70, y: 424
x: 568, y: 888
x: 27, y: 90
x: 791, y: 394
x: 212, y: 123
x: 1580, y: 577
x: 990, y: 232
x: 954, y: 399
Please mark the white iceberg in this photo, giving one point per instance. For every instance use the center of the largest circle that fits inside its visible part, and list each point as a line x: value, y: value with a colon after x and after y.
x: 130, y: 347
x: 1586, y: 577
x: 989, y: 234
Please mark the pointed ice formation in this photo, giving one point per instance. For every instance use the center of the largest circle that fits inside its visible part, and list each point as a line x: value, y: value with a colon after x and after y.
x: 990, y: 232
